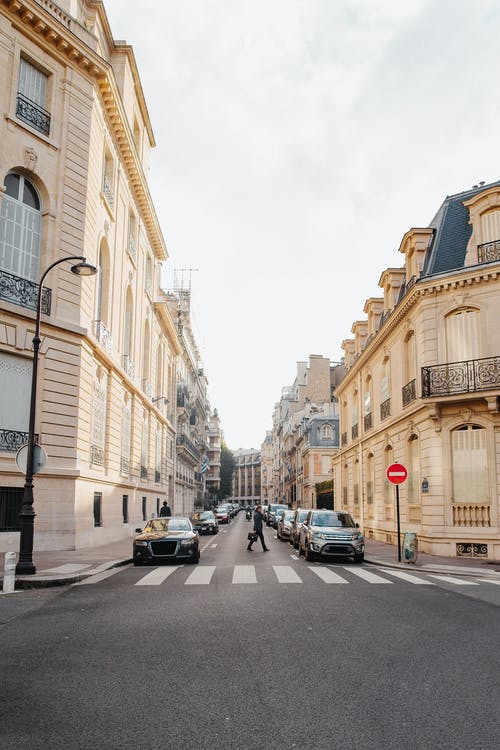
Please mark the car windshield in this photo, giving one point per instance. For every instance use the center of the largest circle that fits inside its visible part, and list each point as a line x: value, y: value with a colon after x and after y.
x: 206, y: 516
x: 302, y: 515
x: 276, y: 508
x: 331, y: 519
x: 288, y: 515
x: 168, y: 524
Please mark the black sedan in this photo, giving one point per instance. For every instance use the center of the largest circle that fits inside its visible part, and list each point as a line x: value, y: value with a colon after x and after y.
x: 205, y: 522
x: 164, y: 539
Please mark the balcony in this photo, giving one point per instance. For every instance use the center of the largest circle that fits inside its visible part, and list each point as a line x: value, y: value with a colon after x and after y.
x: 344, y: 439
x: 368, y: 421
x: 461, y: 377
x: 103, y: 336
x: 23, y: 292
x: 128, y: 366
x: 409, y: 392
x: 385, y: 409
x: 488, y: 252
x: 108, y: 192
x: 96, y: 455
x: 146, y: 387
x: 12, y: 440
x: 124, y: 465
x: 144, y: 472
x: 355, y: 431
x: 183, y: 442
x: 32, y: 114
x: 471, y: 514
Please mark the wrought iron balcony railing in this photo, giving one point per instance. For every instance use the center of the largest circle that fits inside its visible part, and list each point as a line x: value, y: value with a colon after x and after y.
x: 124, y: 465
x: 157, y: 476
x: 23, y: 292
x: 32, y: 114
x: 488, y: 251
x: 368, y: 421
x: 131, y: 246
x: 343, y: 440
x: 144, y: 472
x: 12, y: 440
x: 409, y: 392
x: 128, y: 366
x: 96, y: 455
x: 355, y: 432
x: 385, y: 409
x: 103, y: 335
x: 461, y: 377
x: 184, y: 442
x: 108, y: 191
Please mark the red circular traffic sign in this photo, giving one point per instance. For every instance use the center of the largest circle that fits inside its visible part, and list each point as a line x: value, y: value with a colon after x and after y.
x: 396, y: 473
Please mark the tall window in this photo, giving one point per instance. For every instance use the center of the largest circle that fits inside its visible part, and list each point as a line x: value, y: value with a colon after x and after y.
x: 20, y: 228
x: 410, y: 358
x: 32, y: 97
x: 125, y: 439
x: 98, y: 437
x: 388, y: 487
x: 469, y: 464
x: 109, y: 179
x: 463, y: 335
x: 370, y: 479
x: 413, y: 465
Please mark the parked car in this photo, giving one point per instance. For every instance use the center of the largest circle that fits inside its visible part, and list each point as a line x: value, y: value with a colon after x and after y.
x: 205, y: 522
x: 223, y: 514
x: 296, y: 525
x: 284, y: 528
x: 331, y: 534
x: 272, y: 512
x: 164, y: 539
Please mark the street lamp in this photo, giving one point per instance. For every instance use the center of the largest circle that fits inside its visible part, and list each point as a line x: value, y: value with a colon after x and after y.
x: 27, y: 516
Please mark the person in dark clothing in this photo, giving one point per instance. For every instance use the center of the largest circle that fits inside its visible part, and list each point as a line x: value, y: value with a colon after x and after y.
x: 165, y: 509
x: 257, y: 528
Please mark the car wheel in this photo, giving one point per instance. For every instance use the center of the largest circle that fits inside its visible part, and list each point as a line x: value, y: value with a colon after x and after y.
x: 359, y: 558
x: 137, y: 563
x: 196, y: 559
x: 309, y: 555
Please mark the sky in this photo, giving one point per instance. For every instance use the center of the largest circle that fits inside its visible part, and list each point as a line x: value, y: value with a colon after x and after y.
x: 297, y: 141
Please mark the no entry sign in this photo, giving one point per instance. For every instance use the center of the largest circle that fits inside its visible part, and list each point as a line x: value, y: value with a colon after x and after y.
x: 396, y: 473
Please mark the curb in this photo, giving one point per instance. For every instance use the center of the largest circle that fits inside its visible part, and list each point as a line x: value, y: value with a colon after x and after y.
x: 443, y: 569
x: 41, y: 582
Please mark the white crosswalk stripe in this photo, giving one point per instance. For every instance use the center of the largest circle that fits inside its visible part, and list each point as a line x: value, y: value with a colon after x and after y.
x: 201, y: 576
x: 286, y: 574
x: 455, y: 581
x: 367, y: 575
x: 327, y: 575
x: 98, y: 577
x: 489, y: 580
x: 244, y: 574
x: 157, y: 576
x: 407, y: 577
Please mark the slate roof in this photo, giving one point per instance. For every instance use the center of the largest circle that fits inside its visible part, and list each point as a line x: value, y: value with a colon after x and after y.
x: 452, y: 233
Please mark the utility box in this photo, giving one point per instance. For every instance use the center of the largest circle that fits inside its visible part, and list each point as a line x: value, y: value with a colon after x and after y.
x: 410, y: 547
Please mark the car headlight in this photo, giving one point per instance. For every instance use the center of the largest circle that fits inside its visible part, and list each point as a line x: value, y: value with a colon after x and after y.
x: 319, y: 535
x: 141, y: 544
x: 358, y: 537
x: 187, y: 542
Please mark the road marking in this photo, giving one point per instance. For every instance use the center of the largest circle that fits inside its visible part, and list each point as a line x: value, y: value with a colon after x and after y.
x: 157, y: 576
x: 294, y: 557
x: 244, y: 574
x: 68, y: 568
x: 489, y: 580
x: 201, y: 576
x: 407, y: 577
x: 214, y: 546
x: 455, y: 581
x: 367, y: 575
x: 286, y: 574
x: 327, y: 575
x: 99, y: 577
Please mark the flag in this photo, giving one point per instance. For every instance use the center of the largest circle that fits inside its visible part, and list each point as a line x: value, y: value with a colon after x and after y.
x: 204, y: 464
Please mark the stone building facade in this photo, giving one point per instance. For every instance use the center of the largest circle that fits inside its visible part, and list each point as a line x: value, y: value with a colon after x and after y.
x: 422, y: 387
x: 247, y: 477
x: 75, y: 146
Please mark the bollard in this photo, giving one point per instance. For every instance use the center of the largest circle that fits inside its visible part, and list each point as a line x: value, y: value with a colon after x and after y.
x: 410, y: 547
x: 9, y: 573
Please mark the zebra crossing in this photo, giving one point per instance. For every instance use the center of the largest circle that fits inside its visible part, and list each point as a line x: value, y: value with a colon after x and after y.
x: 204, y: 575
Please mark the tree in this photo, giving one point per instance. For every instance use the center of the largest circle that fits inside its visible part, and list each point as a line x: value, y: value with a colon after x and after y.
x: 227, y: 463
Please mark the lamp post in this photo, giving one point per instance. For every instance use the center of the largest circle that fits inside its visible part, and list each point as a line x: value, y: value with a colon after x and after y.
x: 27, y: 515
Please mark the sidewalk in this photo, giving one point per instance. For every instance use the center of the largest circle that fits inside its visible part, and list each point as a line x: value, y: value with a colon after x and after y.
x: 61, y: 568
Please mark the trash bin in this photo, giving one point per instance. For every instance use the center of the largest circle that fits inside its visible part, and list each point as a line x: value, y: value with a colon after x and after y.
x: 410, y: 547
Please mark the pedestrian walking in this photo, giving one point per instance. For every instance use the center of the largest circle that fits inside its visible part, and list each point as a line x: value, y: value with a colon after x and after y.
x: 257, y: 530
x: 165, y: 509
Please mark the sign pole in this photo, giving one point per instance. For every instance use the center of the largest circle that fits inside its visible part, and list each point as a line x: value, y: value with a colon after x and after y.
x: 399, y: 523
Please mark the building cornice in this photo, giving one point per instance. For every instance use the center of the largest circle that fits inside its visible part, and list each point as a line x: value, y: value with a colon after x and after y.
x: 50, y: 28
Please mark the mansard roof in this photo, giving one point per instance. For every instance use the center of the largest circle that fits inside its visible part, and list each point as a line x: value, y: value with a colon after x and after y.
x: 452, y: 232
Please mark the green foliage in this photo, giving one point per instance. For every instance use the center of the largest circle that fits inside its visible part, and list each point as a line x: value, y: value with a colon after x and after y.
x: 326, y: 486
x: 227, y: 463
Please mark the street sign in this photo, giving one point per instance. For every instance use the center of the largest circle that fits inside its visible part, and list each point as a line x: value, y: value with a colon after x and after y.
x: 39, y: 458
x: 396, y: 473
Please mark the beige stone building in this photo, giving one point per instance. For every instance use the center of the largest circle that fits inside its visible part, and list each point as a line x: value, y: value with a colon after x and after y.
x: 212, y: 466
x: 75, y: 143
x: 422, y: 387
x: 247, y: 477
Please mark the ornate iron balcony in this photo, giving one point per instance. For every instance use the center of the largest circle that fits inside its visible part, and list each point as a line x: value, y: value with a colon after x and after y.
x: 409, y: 392
x: 32, y: 114
x: 461, y: 377
x: 103, y: 336
x: 12, y: 440
x: 488, y: 251
x: 385, y: 409
x: 344, y: 438
x: 144, y: 472
x: 124, y: 465
x: 23, y: 292
x: 108, y: 192
x: 355, y: 431
x: 157, y: 477
x: 368, y: 421
x: 185, y: 442
x: 96, y: 455
x: 128, y: 366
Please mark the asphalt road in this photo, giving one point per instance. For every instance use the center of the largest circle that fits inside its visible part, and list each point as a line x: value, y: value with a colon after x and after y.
x: 148, y: 657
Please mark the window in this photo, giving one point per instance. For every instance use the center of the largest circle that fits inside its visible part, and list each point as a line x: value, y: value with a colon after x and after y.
x: 97, y: 508
x: 388, y: 460
x: 125, y: 439
x: 469, y: 465
x: 132, y: 235
x: 144, y: 509
x: 125, y: 508
x: 326, y: 432
x: 15, y: 394
x: 98, y: 436
x: 413, y: 481
x: 462, y: 335
x: 148, y: 283
x: 108, y: 180
x: 32, y: 97
x: 20, y: 228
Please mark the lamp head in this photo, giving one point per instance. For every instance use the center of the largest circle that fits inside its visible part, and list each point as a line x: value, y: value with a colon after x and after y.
x: 84, y: 269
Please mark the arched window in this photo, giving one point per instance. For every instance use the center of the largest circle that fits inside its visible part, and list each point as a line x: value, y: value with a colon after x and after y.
x: 20, y: 228
x: 469, y: 465
x: 463, y: 335
x: 326, y: 432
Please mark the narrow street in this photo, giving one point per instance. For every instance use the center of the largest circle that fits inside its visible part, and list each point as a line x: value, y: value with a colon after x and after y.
x: 258, y: 650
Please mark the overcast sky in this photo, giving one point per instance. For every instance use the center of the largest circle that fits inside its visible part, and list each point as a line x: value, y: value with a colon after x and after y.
x: 297, y: 141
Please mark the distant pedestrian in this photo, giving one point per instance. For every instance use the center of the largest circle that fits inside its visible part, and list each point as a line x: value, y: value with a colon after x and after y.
x: 257, y: 530
x: 165, y: 509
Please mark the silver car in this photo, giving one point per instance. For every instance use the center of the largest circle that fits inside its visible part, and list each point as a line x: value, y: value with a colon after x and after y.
x: 296, y: 525
x: 284, y: 528
x: 331, y: 534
